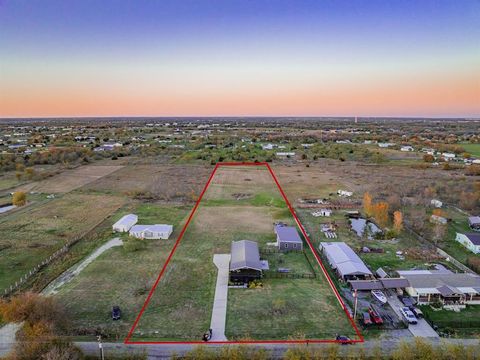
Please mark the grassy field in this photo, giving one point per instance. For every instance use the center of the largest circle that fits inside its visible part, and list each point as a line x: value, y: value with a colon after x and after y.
x: 119, y: 277
x: 180, y: 308
x: 31, y: 235
x: 473, y: 149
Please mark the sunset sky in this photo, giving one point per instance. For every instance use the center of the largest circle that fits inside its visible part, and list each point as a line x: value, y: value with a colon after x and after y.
x: 239, y: 58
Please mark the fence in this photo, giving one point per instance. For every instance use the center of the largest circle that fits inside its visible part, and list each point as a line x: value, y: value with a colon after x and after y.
x: 63, y: 250
x: 281, y: 275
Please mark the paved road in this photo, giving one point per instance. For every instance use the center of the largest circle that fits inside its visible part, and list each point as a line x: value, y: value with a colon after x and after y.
x: 68, y: 275
x: 156, y: 352
x: 7, y: 337
x: 422, y: 329
x: 219, y: 311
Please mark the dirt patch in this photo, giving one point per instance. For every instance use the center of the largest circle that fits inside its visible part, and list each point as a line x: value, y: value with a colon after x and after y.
x: 233, y: 218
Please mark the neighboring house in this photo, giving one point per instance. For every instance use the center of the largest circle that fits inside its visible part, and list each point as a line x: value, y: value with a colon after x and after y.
x: 285, y: 153
x: 448, y: 156
x: 406, y: 148
x: 435, y: 219
x: 245, y: 264
x: 157, y: 231
x: 474, y: 222
x: 125, y: 223
x: 470, y: 240
x: 344, y: 193
x: 345, y: 261
x: 288, y: 238
x: 436, y: 203
x: 325, y: 212
x: 385, y: 145
x: 428, y: 286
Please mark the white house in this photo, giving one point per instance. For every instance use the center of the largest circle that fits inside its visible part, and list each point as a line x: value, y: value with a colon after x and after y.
x: 125, y: 223
x: 406, y: 148
x: 385, y: 145
x: 267, y: 146
x: 344, y: 193
x: 436, y: 203
x: 291, y: 153
x: 157, y: 231
x: 325, y: 212
x: 448, y: 156
x: 470, y: 241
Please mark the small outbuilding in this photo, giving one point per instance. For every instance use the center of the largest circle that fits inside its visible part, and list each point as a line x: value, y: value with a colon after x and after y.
x: 288, y: 238
x: 125, y: 223
x: 157, y: 231
x: 474, y: 223
x: 245, y: 264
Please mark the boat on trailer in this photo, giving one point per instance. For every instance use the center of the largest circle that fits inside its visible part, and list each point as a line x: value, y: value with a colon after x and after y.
x: 380, y: 296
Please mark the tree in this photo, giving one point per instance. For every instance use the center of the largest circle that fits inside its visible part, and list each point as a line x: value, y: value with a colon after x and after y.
x: 397, y: 221
x: 19, y: 198
x: 428, y: 158
x: 439, y: 232
x: 367, y: 204
x: 380, y: 213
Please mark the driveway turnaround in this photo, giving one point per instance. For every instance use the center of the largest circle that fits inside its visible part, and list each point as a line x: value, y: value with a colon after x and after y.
x: 219, y: 312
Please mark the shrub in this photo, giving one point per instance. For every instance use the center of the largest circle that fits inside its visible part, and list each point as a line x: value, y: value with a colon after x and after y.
x: 134, y: 244
x: 19, y: 198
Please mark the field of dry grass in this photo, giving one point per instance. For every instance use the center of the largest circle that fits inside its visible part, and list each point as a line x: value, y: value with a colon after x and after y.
x: 162, y: 182
x: 69, y: 180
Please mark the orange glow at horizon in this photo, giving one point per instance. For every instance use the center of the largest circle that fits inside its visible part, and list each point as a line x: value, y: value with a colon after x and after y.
x: 455, y: 95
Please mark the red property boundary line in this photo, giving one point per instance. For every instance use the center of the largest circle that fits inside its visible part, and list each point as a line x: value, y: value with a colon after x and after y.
x: 312, y: 248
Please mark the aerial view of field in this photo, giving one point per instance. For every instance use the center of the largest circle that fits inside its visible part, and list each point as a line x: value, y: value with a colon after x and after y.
x: 241, y: 203
x: 31, y: 236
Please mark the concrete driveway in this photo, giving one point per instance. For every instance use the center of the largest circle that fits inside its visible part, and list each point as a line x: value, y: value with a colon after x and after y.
x: 422, y: 329
x: 219, y: 311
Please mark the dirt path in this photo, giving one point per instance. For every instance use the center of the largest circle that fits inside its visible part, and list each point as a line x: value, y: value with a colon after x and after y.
x: 68, y: 275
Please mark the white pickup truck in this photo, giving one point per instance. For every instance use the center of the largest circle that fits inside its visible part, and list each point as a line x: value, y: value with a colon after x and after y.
x: 408, y: 315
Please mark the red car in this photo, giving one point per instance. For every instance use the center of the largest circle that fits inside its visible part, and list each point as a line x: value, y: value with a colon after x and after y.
x: 366, y: 319
x: 376, y: 318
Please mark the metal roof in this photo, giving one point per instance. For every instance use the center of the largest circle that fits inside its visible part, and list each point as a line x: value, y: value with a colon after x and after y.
x: 437, y: 280
x: 344, y: 259
x: 245, y: 254
x: 127, y: 220
x: 390, y: 283
x: 287, y: 234
x: 152, y: 228
x: 474, y: 238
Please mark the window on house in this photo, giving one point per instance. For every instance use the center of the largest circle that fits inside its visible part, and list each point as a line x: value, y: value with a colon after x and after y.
x: 294, y: 246
x: 286, y: 246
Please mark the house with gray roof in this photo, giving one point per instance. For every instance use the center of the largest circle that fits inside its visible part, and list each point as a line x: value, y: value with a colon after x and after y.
x: 470, y: 240
x: 245, y: 264
x: 346, y: 263
x: 288, y: 238
x: 447, y: 287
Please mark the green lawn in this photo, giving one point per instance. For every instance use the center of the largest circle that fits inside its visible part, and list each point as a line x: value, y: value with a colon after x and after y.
x: 285, y: 309
x: 32, y: 234
x: 465, y: 323
x: 119, y: 277
x: 473, y: 149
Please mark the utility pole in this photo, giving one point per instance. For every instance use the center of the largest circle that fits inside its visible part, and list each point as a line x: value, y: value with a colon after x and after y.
x: 355, y: 295
x: 100, y: 346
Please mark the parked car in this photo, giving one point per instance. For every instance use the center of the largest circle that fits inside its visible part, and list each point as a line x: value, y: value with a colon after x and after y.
x: 116, y: 313
x: 376, y: 318
x: 345, y: 340
x: 408, y: 315
x: 407, y: 300
x: 416, y: 311
x: 366, y: 319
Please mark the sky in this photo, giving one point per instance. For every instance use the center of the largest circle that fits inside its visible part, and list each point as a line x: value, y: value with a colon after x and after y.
x: 239, y: 58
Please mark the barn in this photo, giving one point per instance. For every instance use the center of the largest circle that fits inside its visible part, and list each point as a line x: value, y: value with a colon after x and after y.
x: 125, y: 223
